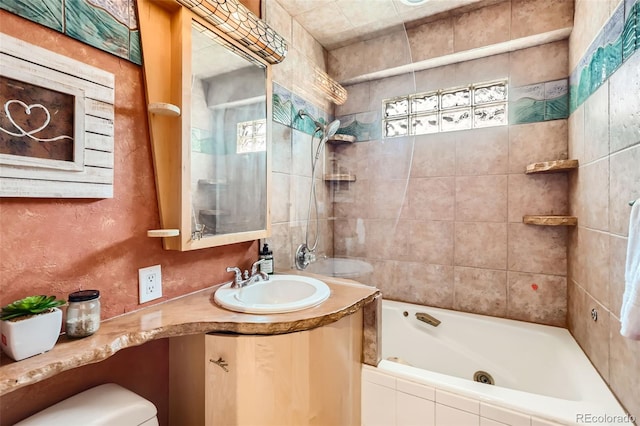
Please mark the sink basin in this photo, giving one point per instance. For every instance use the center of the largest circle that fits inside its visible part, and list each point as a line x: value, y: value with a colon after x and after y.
x: 282, y: 293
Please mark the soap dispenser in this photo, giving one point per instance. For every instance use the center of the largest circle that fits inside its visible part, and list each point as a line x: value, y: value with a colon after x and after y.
x: 267, y: 256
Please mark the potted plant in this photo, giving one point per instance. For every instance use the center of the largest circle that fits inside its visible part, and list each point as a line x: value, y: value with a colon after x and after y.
x: 30, y: 326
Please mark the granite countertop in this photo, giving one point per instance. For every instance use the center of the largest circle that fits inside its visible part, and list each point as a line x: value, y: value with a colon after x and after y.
x: 191, y: 314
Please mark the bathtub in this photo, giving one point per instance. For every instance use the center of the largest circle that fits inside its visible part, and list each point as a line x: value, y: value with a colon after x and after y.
x: 426, y: 375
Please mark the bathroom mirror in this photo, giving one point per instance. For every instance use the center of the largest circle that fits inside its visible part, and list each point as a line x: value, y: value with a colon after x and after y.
x: 228, y: 132
x: 209, y: 104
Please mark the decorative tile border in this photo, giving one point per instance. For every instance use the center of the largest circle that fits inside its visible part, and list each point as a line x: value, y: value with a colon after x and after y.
x: 108, y: 25
x: 286, y: 108
x: 539, y: 102
x: 364, y: 126
x: 616, y: 42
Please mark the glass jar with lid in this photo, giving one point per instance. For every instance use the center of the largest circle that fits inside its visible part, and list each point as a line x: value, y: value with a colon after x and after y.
x: 83, y: 313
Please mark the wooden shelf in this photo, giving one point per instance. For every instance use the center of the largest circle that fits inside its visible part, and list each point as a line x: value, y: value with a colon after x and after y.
x: 156, y: 233
x: 555, y: 166
x: 339, y: 178
x: 163, y: 108
x: 550, y: 220
x: 341, y: 139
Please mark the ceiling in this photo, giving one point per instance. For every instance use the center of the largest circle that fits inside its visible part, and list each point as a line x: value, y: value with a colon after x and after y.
x: 337, y: 23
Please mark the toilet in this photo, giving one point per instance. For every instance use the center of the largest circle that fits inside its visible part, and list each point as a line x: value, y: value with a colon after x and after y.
x: 107, y: 404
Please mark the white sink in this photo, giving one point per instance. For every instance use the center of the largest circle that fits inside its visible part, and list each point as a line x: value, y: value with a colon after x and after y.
x: 282, y: 293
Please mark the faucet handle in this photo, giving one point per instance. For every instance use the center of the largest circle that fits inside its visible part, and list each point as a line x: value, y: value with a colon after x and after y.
x: 237, y: 271
x: 256, y: 264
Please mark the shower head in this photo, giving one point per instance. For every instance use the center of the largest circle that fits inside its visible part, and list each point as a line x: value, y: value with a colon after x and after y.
x: 327, y: 130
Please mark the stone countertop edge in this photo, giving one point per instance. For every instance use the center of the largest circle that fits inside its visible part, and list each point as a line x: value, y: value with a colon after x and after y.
x: 194, y: 313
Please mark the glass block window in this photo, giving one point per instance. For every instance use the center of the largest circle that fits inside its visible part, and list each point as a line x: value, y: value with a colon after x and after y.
x: 252, y: 136
x: 474, y: 106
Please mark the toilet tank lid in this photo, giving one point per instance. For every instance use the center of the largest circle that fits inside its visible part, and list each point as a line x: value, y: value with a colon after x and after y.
x: 107, y: 404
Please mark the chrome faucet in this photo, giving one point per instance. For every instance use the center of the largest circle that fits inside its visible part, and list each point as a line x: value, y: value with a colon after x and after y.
x: 241, y: 280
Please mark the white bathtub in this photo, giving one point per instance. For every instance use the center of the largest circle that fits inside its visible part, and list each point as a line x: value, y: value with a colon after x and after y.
x: 541, y: 375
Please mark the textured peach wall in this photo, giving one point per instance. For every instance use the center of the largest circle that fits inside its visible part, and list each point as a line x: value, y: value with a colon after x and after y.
x: 56, y: 246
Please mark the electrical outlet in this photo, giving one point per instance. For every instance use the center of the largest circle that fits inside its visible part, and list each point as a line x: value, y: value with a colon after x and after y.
x: 150, y: 282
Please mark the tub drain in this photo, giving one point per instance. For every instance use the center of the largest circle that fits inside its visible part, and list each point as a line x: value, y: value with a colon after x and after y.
x: 483, y: 377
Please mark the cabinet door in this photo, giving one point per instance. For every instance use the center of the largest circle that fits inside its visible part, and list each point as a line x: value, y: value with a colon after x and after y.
x: 303, y: 378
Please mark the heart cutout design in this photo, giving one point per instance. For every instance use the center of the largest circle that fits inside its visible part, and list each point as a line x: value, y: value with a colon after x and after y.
x: 27, y: 110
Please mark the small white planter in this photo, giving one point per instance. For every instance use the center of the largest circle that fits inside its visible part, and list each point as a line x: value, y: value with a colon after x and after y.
x: 32, y: 336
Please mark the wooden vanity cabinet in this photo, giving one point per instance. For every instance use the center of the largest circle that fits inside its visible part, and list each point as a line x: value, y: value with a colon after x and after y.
x: 308, y: 377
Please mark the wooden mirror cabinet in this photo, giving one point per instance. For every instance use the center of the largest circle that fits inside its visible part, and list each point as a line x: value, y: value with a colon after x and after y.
x: 209, y: 103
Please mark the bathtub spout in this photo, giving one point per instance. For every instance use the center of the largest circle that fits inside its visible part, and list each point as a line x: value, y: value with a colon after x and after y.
x: 425, y: 317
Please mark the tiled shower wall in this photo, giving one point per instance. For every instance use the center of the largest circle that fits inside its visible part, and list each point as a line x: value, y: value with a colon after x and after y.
x: 604, y: 134
x: 440, y: 219
x: 291, y: 155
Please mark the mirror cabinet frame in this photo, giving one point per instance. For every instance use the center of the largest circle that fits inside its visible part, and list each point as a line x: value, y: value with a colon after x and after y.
x: 165, y: 30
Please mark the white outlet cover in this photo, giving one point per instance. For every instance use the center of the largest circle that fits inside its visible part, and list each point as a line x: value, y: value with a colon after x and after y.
x: 149, y: 283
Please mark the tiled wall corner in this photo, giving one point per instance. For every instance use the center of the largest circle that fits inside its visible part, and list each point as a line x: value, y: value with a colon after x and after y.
x: 604, y: 134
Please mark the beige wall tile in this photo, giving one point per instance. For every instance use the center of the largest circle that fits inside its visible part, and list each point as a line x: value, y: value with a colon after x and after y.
x: 576, y: 134
x: 390, y: 87
x: 537, y: 249
x: 589, y: 17
x: 482, y: 151
x: 280, y: 242
x: 545, y: 194
x: 431, y: 198
x: 387, y: 239
x: 481, y: 291
x: 577, y: 312
x: 535, y: 142
x: 596, y: 250
x: 481, y: 198
x: 305, y: 42
x: 301, y: 149
x: 424, y: 284
x: 278, y: 18
x: 387, y: 51
x: 357, y: 100
x: 352, y: 200
x: 350, y: 238
x: 280, y: 197
x: 596, y: 125
x: 593, y: 183
x: 355, y: 158
x: 625, y: 186
x: 482, y: 245
x: 471, y: 29
x: 439, y: 35
x: 382, y: 276
x: 434, y: 155
x: 300, y: 190
x: 537, y: 298
x: 624, y: 367
x: 617, y: 259
x: 593, y: 336
x: 576, y: 260
x: 388, y: 199
x: 538, y: 16
x: 494, y: 67
x: 541, y: 63
x: 348, y: 61
x: 281, y: 148
x: 431, y: 242
x: 390, y: 159
x: 436, y: 78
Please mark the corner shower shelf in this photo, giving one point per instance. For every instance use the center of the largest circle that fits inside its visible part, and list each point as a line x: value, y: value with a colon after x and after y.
x: 550, y: 220
x: 340, y: 139
x: 339, y: 178
x: 163, y: 108
x: 555, y: 166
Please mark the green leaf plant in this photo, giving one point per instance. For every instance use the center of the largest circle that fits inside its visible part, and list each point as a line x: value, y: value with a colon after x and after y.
x: 31, y: 305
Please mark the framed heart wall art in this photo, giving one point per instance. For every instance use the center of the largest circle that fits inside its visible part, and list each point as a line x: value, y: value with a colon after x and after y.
x: 56, y: 124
